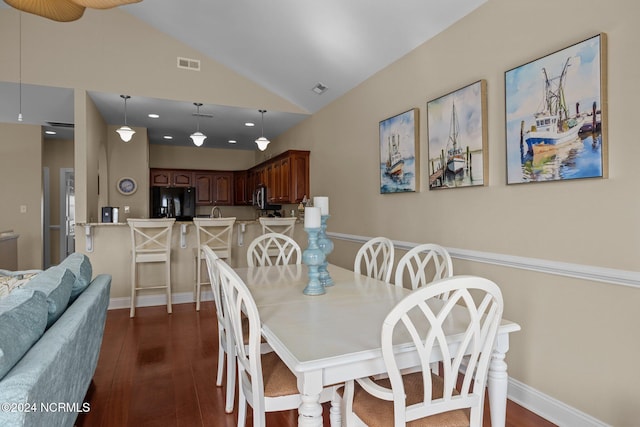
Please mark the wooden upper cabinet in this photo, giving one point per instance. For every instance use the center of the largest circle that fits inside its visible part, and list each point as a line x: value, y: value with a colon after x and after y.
x: 241, y: 192
x: 204, y: 188
x: 299, y: 184
x: 171, y: 178
x: 222, y: 188
x: 286, y: 177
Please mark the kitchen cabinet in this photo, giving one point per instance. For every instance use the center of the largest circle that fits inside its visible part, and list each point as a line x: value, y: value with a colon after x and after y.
x: 213, y: 188
x: 171, y: 178
x: 286, y: 177
x: 241, y: 188
x: 222, y: 188
x: 204, y: 188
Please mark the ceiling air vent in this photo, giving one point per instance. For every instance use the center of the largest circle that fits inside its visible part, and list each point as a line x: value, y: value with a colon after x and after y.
x: 319, y: 89
x: 61, y: 125
x: 189, y: 64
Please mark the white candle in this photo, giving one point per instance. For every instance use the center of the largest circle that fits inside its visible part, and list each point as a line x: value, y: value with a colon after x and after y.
x: 322, y: 202
x: 312, y: 217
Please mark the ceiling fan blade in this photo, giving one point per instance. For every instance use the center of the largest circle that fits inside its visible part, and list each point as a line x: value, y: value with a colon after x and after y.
x: 104, y: 4
x: 57, y: 10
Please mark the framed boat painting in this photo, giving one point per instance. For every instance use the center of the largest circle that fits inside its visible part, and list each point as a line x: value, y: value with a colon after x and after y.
x: 399, y: 151
x: 555, y: 113
x: 457, y: 138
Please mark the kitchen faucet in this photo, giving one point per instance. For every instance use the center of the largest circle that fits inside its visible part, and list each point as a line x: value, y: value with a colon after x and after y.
x: 216, y: 212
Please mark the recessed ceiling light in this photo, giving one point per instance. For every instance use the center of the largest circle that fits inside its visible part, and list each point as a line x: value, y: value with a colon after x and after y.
x: 232, y: 141
x: 154, y: 116
x: 249, y: 124
x: 167, y: 137
x: 50, y: 132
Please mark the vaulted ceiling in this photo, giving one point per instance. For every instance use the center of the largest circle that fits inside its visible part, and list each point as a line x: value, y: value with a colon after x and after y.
x: 286, y: 46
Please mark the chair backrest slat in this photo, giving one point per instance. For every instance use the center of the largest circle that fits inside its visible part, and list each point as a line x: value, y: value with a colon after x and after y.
x: 217, y: 233
x: 424, y: 320
x: 376, y: 256
x: 278, y: 225
x: 273, y: 249
x: 424, y: 264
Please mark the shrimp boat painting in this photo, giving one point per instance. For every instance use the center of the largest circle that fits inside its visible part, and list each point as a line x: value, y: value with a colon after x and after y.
x: 395, y: 162
x: 553, y: 124
x: 455, y: 157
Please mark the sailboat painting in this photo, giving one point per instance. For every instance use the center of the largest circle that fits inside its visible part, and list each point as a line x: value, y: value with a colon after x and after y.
x: 399, y: 149
x: 457, y: 138
x: 555, y: 115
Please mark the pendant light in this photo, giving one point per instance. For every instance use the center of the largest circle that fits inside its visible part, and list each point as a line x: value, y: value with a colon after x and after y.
x: 198, y: 137
x: 125, y: 132
x: 262, y: 142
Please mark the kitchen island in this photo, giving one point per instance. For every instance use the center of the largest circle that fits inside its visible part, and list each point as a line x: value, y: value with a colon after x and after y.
x: 108, y: 245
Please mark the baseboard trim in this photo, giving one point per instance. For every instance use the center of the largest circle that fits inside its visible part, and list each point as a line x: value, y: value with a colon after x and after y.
x: 549, y: 408
x: 578, y: 271
x: 159, y: 299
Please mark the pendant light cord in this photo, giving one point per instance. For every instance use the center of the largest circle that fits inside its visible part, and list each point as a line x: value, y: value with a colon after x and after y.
x: 20, y: 66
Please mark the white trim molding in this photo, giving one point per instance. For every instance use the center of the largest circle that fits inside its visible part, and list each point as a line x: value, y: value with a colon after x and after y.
x: 158, y: 299
x: 578, y: 271
x: 549, y: 408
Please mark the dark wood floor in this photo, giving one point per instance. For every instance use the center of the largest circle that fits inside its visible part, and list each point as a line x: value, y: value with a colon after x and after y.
x: 159, y: 370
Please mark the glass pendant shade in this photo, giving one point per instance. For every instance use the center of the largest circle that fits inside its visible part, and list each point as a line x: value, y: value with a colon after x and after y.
x: 262, y: 143
x: 126, y: 133
x: 198, y: 138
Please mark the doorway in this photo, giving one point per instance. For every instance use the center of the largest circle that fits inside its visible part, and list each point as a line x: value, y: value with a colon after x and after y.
x: 67, y: 212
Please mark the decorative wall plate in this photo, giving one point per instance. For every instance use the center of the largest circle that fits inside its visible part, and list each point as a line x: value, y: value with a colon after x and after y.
x: 127, y: 186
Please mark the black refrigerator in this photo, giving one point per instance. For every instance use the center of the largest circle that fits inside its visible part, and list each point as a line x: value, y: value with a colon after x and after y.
x: 173, y: 202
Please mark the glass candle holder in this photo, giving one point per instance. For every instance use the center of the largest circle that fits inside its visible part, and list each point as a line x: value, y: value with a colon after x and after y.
x: 313, y: 257
x: 326, y: 245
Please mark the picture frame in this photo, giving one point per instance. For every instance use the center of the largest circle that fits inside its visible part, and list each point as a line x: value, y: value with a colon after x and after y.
x: 556, y: 115
x: 457, y: 139
x: 399, y: 138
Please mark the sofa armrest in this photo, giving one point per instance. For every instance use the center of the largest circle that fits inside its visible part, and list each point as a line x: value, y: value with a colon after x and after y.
x: 60, y: 366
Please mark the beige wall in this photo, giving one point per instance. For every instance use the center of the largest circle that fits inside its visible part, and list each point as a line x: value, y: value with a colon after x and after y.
x: 578, y: 340
x: 21, y: 185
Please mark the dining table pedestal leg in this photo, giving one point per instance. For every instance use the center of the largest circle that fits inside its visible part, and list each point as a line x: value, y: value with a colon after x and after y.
x: 310, y: 410
x: 497, y: 381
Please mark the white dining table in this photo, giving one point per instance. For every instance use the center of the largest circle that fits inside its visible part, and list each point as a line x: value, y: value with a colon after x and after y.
x: 331, y: 338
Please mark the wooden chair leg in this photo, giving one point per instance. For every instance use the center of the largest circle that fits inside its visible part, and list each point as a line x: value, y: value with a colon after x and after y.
x: 168, y: 263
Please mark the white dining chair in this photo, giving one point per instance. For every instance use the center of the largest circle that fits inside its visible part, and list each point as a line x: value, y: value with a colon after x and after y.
x: 265, y: 382
x: 217, y: 233
x: 226, y: 350
x: 424, y: 264
x: 273, y: 249
x: 423, y: 319
x: 150, y: 243
x: 375, y: 259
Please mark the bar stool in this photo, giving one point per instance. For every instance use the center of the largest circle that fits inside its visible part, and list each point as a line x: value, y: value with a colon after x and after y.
x: 151, y: 242
x: 215, y: 233
x: 278, y: 225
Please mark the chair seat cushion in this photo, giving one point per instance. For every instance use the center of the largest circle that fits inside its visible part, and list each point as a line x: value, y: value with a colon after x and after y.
x: 278, y: 379
x: 377, y: 412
